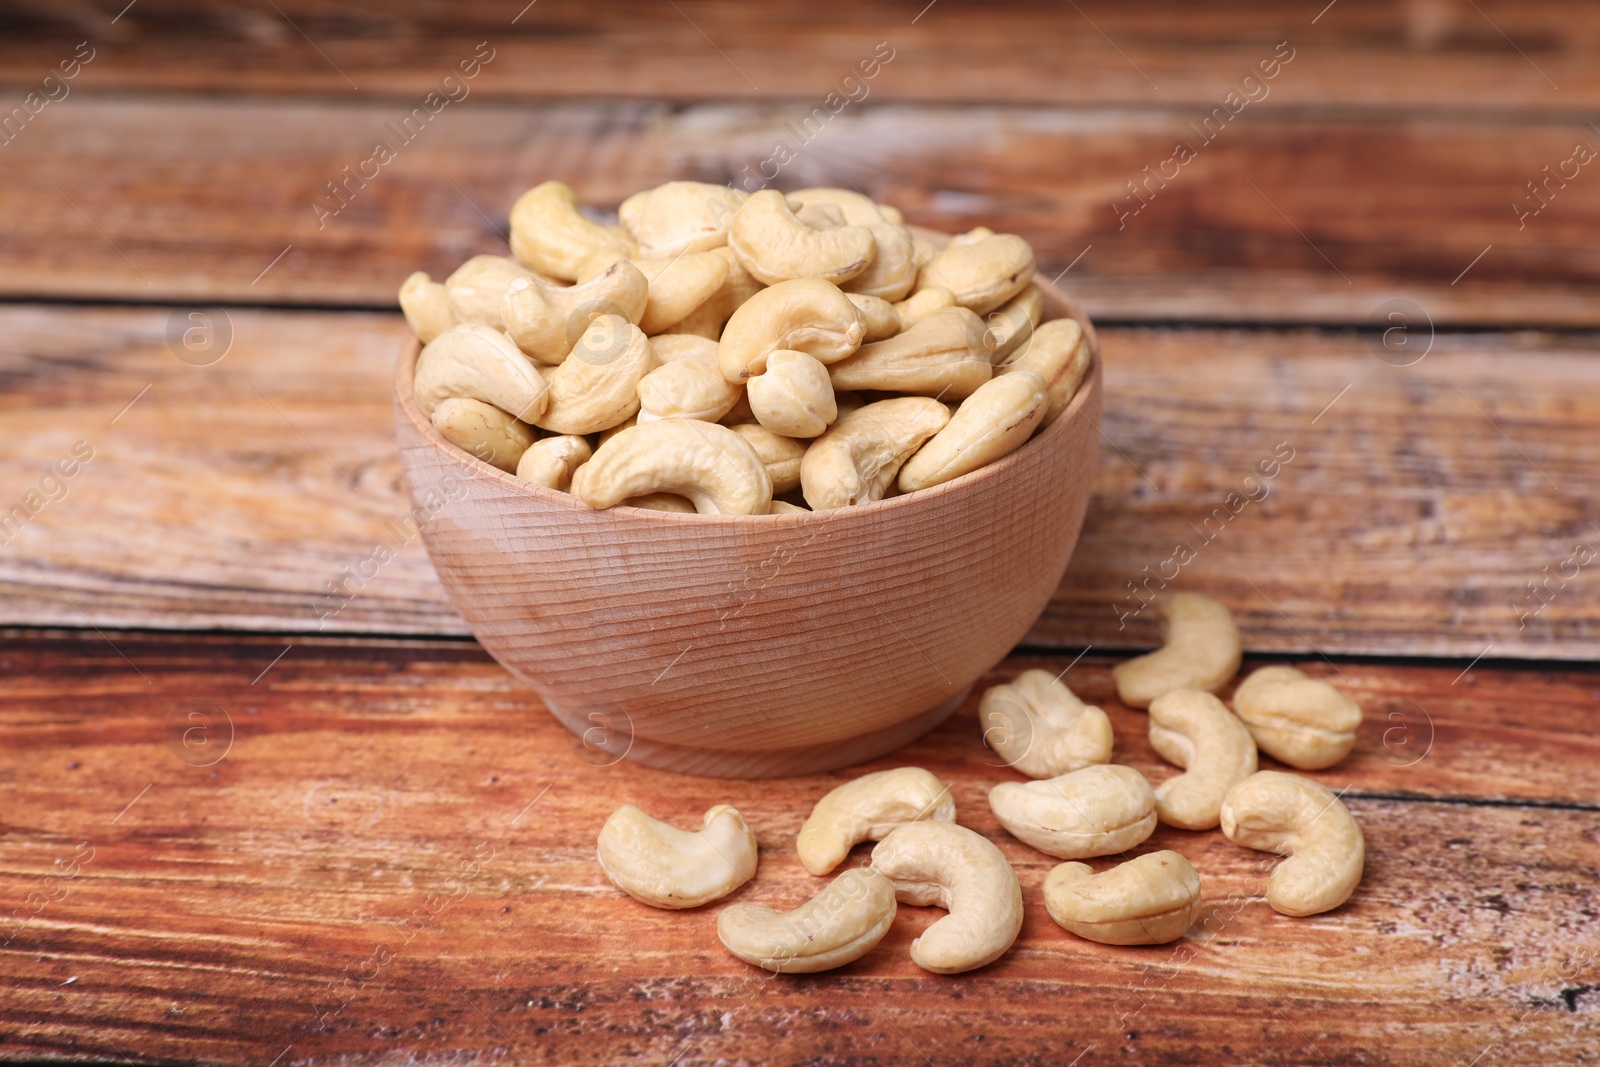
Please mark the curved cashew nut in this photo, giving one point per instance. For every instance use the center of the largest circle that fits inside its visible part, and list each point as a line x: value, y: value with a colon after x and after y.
x: 670, y: 502
x: 691, y: 388
x: 1011, y: 325
x: 950, y: 866
x: 783, y: 507
x: 943, y: 355
x: 878, y: 317
x: 671, y: 347
x: 919, y: 305
x: 550, y: 461
x: 982, y: 269
x: 546, y: 320
x: 857, y: 459
x: 804, y: 315
x: 1301, y: 721
x: 893, y: 270
x: 781, y: 455
x: 703, y: 461
x: 478, y: 362
x: 677, y: 286
x: 597, y: 385
x: 868, y: 809
x: 1200, y: 650
x: 1101, y: 809
x: 660, y: 865
x: 1149, y: 900
x: 478, y: 286
x: 775, y: 245
x: 1276, y: 812
x: 1192, y: 729
x: 858, y: 209
x: 994, y: 421
x: 426, y: 306
x: 1040, y: 727
x: 837, y: 926
x: 1058, y: 351
x: 680, y: 217
x: 709, y: 318
x: 793, y: 396
x: 549, y: 234
x: 483, y: 430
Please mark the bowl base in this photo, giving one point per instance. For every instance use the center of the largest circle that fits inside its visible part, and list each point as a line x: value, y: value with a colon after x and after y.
x: 602, y: 743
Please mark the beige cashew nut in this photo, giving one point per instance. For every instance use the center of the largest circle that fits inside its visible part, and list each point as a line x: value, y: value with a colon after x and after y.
x: 775, y: 245
x: 709, y: 318
x: 1040, y: 727
x: 919, y: 305
x: 1012, y: 324
x: 1149, y: 900
x: 668, y: 502
x: 704, y: 462
x: 940, y: 863
x: 677, y: 286
x: 691, y: 388
x: 550, y: 461
x: 479, y: 363
x: 893, y: 270
x: 837, y: 926
x: 804, y: 315
x: 793, y: 396
x: 680, y: 217
x: 944, y: 356
x: 994, y: 421
x: 1192, y: 729
x: 878, y: 317
x: 869, y: 808
x: 857, y: 460
x: 1301, y: 721
x: 1200, y: 650
x: 546, y: 320
x: 982, y: 269
x: 1095, y: 811
x: 660, y: 865
x: 476, y: 289
x: 483, y: 430
x: 1058, y: 351
x: 1276, y: 812
x: 426, y: 306
x: 671, y: 347
x: 549, y: 234
x: 782, y: 456
x: 597, y: 385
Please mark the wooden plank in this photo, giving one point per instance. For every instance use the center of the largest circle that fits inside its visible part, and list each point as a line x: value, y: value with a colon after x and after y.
x: 1409, y: 510
x: 1488, y: 54
x: 1304, y: 218
x: 391, y: 861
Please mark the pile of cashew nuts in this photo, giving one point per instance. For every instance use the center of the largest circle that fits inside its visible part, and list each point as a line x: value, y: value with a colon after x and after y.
x: 1079, y: 806
x: 723, y: 352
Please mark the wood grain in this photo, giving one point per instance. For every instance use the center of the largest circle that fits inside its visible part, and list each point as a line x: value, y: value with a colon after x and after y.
x: 1405, y: 522
x: 1489, y: 55
x: 1308, y: 218
x: 392, y: 860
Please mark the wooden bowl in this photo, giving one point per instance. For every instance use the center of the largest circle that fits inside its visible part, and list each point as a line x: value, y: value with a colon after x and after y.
x: 754, y: 646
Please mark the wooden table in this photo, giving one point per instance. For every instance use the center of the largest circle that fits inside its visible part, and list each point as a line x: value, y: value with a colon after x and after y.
x: 233, y: 832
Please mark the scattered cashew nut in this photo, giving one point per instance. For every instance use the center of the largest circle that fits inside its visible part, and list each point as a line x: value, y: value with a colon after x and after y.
x: 1192, y: 729
x: 868, y: 809
x: 1040, y: 727
x: 837, y: 926
x: 1276, y: 812
x: 1200, y: 650
x: 996, y: 420
x: 1301, y: 721
x: 1149, y: 900
x: 793, y: 396
x: 857, y: 460
x: 479, y: 363
x: 1095, y: 811
x: 705, y: 462
x: 775, y: 245
x: 483, y: 430
x: 943, y: 864
x: 660, y: 865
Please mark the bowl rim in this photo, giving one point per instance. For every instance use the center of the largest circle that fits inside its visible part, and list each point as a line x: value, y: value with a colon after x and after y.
x: 971, y: 481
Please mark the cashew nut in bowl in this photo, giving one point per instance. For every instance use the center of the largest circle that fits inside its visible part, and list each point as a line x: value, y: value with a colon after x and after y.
x: 1149, y: 900
x: 996, y: 420
x: 671, y: 347
x: 1040, y: 727
x: 857, y: 460
x: 597, y: 385
x: 804, y: 315
x: 691, y: 388
x: 919, y: 305
x: 707, y: 463
x: 837, y: 926
x: 893, y: 270
x: 550, y: 461
x: 479, y: 363
x: 775, y: 245
x: 1272, y: 811
x: 818, y: 216
x: 944, y: 355
x: 782, y: 455
x: 478, y: 286
x: 783, y: 507
x: 709, y: 318
x: 680, y: 217
x: 660, y: 865
x: 546, y: 320
x: 677, y: 286
x: 551, y: 236
x: 940, y: 863
x: 483, y: 430
x: 426, y: 306
x: 1200, y: 650
x: 869, y: 808
x: 983, y: 270
x: 1011, y: 325
x: 793, y: 396
x: 669, y: 502
x: 1300, y: 721
x: 1095, y: 811
x: 1058, y: 351
x: 1192, y: 729
x: 878, y: 317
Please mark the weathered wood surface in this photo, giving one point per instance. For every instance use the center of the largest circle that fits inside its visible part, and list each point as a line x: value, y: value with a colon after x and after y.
x: 1318, y: 218
x: 1491, y: 55
x: 1399, y: 519
x: 382, y: 852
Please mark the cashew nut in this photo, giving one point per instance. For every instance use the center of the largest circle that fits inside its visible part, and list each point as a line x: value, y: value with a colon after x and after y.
x: 857, y: 460
x: 837, y: 926
x: 1040, y: 727
x: 478, y: 286
x: 1276, y: 812
x: 1200, y: 650
x: 660, y: 865
x: 549, y: 234
x: 597, y: 385
x: 1192, y: 729
x: 893, y: 270
x: 1149, y: 900
x: 550, y: 461
x: 1058, y: 351
x: 783, y: 507
x: 878, y: 317
x: 781, y: 455
x: 546, y: 320
x: 994, y: 421
x: 1300, y: 721
x: 691, y: 388
x: 483, y: 430
x: 804, y: 315
x: 868, y: 809
x: 1012, y: 324
x: 919, y: 305
x: 945, y: 355
x: 1101, y: 809
x: 426, y: 306
x: 671, y: 347
x: 709, y: 318
x: 793, y: 396
x: 670, y: 502
x: 982, y: 269
x: 478, y: 362
x: 707, y: 463
x: 947, y: 865
x: 677, y: 285
x: 680, y: 217
x: 775, y: 245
